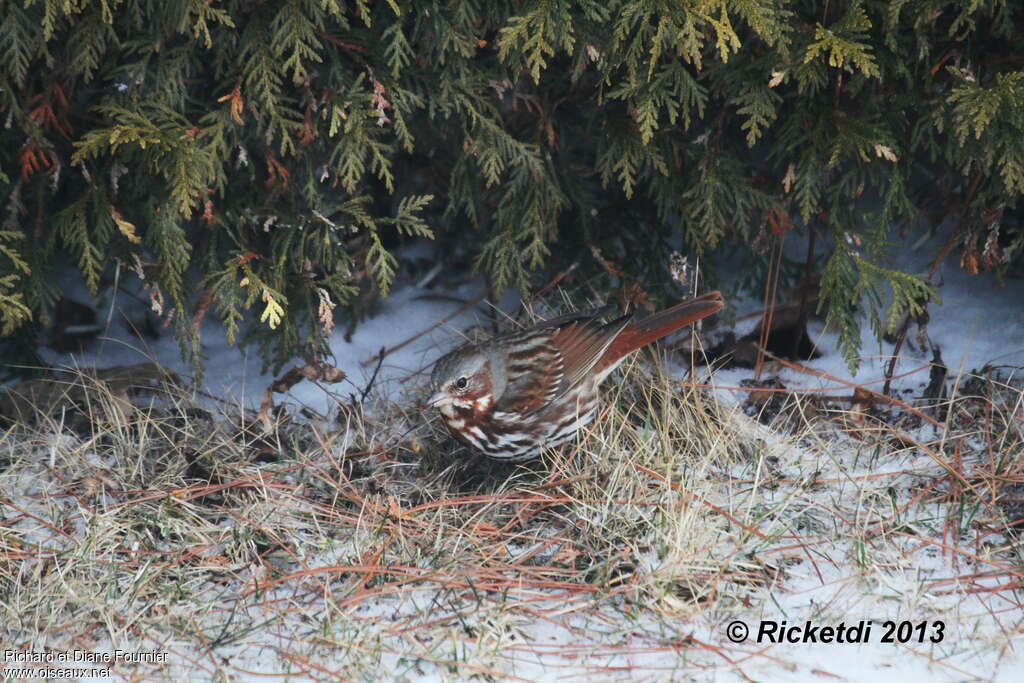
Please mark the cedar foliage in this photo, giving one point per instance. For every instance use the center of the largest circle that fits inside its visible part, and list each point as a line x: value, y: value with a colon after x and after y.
x: 248, y: 154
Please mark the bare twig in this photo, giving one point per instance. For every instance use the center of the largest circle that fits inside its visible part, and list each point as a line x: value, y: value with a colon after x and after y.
x: 373, y: 378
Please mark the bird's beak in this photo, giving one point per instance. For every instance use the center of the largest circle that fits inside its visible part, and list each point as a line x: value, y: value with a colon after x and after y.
x: 438, y: 399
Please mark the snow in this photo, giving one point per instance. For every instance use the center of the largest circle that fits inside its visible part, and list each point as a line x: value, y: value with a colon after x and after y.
x: 978, y: 322
x: 234, y: 372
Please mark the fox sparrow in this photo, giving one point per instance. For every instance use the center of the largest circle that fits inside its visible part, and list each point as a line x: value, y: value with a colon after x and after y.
x: 516, y: 394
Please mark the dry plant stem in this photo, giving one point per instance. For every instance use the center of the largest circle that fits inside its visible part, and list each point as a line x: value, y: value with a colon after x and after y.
x: 555, y: 280
x: 805, y: 297
x: 881, y: 397
x: 891, y: 367
x: 939, y: 258
x: 955, y: 234
x: 822, y: 391
x: 357, y: 558
x: 462, y: 309
x: 945, y: 58
x: 690, y: 494
x: 778, y: 309
x: 888, y: 399
x: 770, y: 290
x: 373, y: 377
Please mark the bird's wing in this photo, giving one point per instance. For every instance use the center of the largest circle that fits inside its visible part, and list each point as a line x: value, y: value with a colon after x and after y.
x: 533, y: 372
x: 582, y: 344
x: 544, y: 362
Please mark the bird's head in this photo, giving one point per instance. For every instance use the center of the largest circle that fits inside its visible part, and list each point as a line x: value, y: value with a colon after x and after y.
x: 461, y: 381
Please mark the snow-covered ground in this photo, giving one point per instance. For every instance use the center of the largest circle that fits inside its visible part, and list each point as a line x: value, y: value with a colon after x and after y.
x: 978, y: 322
x: 833, y: 575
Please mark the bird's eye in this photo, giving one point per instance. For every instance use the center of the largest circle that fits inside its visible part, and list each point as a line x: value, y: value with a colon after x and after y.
x: 461, y: 383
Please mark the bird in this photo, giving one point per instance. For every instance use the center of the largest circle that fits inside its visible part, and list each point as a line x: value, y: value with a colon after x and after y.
x: 514, y: 395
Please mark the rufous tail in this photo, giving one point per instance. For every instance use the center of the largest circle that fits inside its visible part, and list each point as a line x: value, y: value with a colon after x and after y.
x: 642, y: 332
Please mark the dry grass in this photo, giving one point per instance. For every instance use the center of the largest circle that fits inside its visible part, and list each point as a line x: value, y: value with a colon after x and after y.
x: 375, y: 548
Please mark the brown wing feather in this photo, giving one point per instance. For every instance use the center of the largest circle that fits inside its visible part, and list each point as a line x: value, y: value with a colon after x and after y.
x: 544, y: 362
x: 582, y: 345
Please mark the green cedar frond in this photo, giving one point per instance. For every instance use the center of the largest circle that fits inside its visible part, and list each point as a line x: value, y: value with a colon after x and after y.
x: 288, y: 144
x: 846, y: 43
